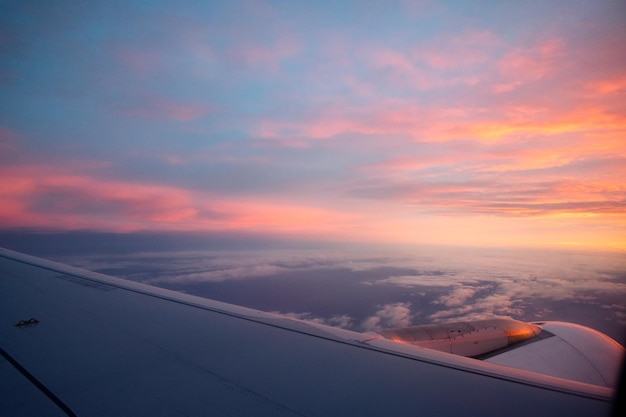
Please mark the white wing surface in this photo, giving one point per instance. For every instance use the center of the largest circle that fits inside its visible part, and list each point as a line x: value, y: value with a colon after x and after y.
x: 79, y: 343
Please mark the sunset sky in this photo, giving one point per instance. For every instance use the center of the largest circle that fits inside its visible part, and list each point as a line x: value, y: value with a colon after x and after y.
x: 446, y: 122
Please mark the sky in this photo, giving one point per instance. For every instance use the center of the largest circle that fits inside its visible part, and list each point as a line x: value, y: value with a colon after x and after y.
x: 429, y: 122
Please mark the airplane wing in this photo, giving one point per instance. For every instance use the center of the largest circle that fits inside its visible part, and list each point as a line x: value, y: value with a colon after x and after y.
x: 78, y: 343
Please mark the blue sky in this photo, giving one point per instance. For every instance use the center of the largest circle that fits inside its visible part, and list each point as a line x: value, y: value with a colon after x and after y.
x: 489, y: 123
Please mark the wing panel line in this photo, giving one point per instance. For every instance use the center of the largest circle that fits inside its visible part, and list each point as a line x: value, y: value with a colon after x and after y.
x: 37, y: 383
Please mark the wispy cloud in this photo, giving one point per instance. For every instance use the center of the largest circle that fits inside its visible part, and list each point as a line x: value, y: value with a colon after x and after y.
x: 523, y: 65
x: 376, y: 123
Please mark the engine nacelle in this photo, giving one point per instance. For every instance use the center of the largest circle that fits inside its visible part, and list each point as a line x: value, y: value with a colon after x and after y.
x: 563, y: 350
x: 468, y: 338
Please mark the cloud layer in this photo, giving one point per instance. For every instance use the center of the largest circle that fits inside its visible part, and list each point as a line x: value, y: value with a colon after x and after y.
x: 374, y: 288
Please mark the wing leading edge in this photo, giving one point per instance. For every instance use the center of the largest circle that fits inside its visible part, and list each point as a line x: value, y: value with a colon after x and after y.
x: 103, y: 346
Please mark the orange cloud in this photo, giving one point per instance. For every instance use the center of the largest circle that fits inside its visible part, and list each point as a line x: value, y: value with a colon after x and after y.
x: 587, y: 119
x: 271, y: 216
x: 392, y: 117
x: 607, y: 86
x: 48, y: 197
x: 510, y: 196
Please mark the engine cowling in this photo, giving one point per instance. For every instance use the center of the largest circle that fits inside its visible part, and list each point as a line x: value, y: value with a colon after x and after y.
x: 563, y: 350
x: 467, y: 338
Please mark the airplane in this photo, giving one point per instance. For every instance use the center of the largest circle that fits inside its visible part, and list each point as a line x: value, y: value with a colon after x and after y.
x: 80, y: 343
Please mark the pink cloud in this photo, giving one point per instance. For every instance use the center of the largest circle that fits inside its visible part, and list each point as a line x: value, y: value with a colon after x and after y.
x: 573, y: 167
x: 256, y: 214
x: 401, y: 70
x: 50, y: 197
x: 612, y: 85
x: 523, y: 65
x: 445, y: 61
x: 395, y: 118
